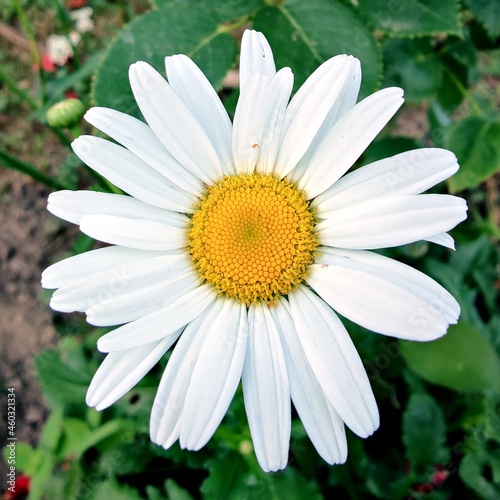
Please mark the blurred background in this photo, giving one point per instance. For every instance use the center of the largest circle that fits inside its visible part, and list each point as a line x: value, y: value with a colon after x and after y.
x: 439, y: 402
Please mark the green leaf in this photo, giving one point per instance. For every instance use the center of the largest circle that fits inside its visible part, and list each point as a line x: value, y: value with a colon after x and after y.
x: 480, y: 465
x: 111, y: 490
x: 412, y: 65
x: 413, y: 17
x: 476, y: 142
x: 473, y: 469
x: 42, y: 475
x: 454, y: 282
x: 223, y: 10
x: 459, y: 63
x: 477, y: 261
x: 226, y: 477
x: 462, y: 360
x: 386, y: 147
x: 52, y: 431
x: 26, y: 457
x: 154, y: 493
x: 63, y: 374
x: 79, y: 437
x: 76, y: 432
x: 305, y: 34
x: 132, y: 455
x: 290, y: 484
x: 424, y: 432
x: 488, y: 13
x: 439, y: 122
x: 177, y: 29
x: 453, y: 86
x: 230, y: 478
x: 175, y: 492
x: 72, y: 481
x: 384, y: 479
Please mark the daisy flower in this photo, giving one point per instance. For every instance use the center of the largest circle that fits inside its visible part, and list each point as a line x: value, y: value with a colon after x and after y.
x: 239, y: 241
x: 59, y: 49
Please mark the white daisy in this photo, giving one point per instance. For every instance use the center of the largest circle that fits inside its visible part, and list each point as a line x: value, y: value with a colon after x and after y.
x: 59, y: 49
x: 238, y: 241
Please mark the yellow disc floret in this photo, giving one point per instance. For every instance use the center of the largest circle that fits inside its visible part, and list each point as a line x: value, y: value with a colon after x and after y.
x: 252, y: 237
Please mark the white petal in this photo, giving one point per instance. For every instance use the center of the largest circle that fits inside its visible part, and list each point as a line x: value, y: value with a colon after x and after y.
x: 159, y: 324
x: 121, y: 371
x: 407, y: 173
x: 216, y: 375
x: 348, y: 138
x: 382, y: 294
x: 388, y: 222
x: 167, y: 408
x: 249, y: 123
x: 137, y: 137
x: 256, y: 56
x: 134, y: 233
x: 308, y: 110
x: 348, y: 96
x: 279, y: 91
x: 131, y: 306
x: 266, y: 391
x: 77, y: 267
x: 118, y: 279
x: 74, y: 205
x: 258, y: 121
x: 443, y: 239
x: 197, y: 93
x: 173, y: 123
x: 322, y: 423
x: 344, y: 102
x: 131, y: 174
x: 334, y: 361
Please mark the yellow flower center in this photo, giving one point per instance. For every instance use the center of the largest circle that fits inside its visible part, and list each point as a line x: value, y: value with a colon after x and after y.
x: 252, y: 237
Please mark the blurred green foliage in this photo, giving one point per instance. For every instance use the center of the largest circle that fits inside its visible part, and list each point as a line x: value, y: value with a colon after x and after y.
x: 440, y: 401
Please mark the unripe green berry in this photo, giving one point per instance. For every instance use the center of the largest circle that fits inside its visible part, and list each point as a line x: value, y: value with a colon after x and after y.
x: 65, y: 113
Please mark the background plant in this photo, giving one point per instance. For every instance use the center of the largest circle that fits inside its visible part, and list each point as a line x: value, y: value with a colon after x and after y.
x: 439, y: 401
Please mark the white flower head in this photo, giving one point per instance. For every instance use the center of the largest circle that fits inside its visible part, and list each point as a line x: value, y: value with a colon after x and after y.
x: 239, y: 241
x: 83, y: 19
x: 59, y: 49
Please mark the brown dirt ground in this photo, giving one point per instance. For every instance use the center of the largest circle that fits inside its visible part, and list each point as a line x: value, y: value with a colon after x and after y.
x: 25, y: 324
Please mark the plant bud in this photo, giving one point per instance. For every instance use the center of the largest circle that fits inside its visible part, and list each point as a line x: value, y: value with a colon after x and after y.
x: 65, y: 113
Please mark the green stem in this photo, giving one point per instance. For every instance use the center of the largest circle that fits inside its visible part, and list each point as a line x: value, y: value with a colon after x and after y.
x: 221, y: 29
x: 28, y: 31
x: 5, y: 77
x: 35, y: 52
x: 29, y: 169
x: 464, y: 91
x: 228, y: 28
x: 62, y: 137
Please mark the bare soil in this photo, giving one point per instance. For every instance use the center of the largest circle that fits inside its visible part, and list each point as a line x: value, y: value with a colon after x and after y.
x: 25, y: 324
